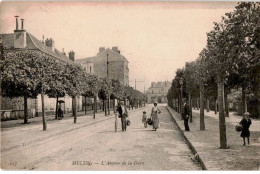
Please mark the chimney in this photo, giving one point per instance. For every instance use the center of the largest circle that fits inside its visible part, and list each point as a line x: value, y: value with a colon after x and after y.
x: 43, y: 39
x: 101, y: 49
x: 72, y: 55
x: 22, y: 23
x: 17, y: 26
x: 50, y: 43
x: 63, y: 52
x: 116, y: 50
x: 19, y: 35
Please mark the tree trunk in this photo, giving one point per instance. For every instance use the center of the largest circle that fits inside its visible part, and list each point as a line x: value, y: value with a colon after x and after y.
x: 178, y: 104
x: 64, y: 112
x: 190, y: 103
x: 95, y: 106
x: 74, y: 108
x: 198, y: 104
x: 243, y: 104
x: 56, y: 112
x: 108, y: 108
x: 43, y: 112
x: 105, y: 107
x: 113, y: 104
x: 216, y: 106
x: 202, y: 121
x: 222, y: 122
x: 226, y: 103
x: 25, y: 110
x: 129, y: 103
x: 257, y: 91
x: 85, y: 107
x: 207, y: 105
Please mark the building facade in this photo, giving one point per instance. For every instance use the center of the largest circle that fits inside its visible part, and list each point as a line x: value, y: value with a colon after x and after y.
x: 158, y: 92
x: 107, y: 63
x: 22, y: 40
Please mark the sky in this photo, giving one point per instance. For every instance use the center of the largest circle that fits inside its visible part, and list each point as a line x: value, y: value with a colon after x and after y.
x: 157, y: 38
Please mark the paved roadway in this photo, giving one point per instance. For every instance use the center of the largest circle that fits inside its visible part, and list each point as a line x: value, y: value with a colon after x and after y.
x: 93, y: 145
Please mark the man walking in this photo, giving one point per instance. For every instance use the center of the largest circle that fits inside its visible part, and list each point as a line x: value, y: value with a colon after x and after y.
x: 186, y: 115
x: 122, y: 112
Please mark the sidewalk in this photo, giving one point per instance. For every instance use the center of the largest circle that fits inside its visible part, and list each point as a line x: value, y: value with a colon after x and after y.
x: 233, y: 119
x: 20, y: 136
x: 206, y: 143
x: 38, y: 120
x: 5, y: 125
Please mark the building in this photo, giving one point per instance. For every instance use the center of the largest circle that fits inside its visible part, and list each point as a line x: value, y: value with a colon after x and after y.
x: 107, y: 59
x: 158, y: 92
x: 22, y: 40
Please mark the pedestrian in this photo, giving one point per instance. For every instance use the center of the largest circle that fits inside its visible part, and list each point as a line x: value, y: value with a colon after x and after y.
x: 186, y: 115
x: 122, y: 113
x: 245, y: 122
x: 154, y: 116
x: 60, y: 112
x: 144, y: 119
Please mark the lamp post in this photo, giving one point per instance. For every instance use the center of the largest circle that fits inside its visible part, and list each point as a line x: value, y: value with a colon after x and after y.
x: 181, y: 83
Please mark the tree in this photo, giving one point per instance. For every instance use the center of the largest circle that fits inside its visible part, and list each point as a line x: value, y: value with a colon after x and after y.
x: 104, y: 91
x: 91, y: 90
x: 117, y: 91
x: 243, y: 27
x: 191, y: 84
x: 75, y: 79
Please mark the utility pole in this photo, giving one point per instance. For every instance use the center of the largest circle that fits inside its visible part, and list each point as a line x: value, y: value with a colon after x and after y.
x: 107, y: 66
x: 139, y: 81
x: 108, y: 105
x: 144, y: 96
x: 1, y: 58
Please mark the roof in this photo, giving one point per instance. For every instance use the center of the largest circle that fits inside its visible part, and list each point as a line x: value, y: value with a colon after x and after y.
x: 8, y: 40
x: 84, y: 60
x: 32, y: 43
x: 110, y: 50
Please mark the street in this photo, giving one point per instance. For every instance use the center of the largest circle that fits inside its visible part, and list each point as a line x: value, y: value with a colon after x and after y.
x: 93, y: 145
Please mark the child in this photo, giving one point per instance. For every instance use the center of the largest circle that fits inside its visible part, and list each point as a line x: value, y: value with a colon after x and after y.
x: 245, y: 122
x: 144, y: 119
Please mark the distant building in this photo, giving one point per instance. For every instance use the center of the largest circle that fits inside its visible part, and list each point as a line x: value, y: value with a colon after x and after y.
x: 117, y: 65
x: 158, y: 92
x: 21, y: 40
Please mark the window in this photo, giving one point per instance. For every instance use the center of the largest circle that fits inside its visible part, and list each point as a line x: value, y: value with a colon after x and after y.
x: 90, y: 69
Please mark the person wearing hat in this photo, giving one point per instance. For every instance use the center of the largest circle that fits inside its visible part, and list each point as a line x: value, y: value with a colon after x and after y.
x: 154, y: 116
x: 186, y: 115
x: 122, y: 113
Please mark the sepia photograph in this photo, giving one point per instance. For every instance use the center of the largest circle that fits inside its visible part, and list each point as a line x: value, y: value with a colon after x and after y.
x: 130, y: 85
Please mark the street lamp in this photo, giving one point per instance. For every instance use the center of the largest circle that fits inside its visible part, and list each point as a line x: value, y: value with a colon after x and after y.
x: 181, y: 83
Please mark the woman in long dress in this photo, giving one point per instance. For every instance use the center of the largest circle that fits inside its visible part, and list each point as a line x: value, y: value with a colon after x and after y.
x: 245, y: 122
x: 154, y: 116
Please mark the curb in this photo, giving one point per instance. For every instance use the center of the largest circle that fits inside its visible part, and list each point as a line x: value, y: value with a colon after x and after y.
x: 194, y: 151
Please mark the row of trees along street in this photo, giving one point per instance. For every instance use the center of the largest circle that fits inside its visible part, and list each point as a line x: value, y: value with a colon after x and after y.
x: 227, y: 62
x: 27, y: 74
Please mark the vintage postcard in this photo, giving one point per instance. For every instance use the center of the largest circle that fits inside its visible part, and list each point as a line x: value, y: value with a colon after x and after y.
x: 130, y: 85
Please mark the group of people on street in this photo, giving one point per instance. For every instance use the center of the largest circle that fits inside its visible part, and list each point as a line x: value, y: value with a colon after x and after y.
x: 245, y: 122
x: 155, y: 111
x: 123, y: 114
